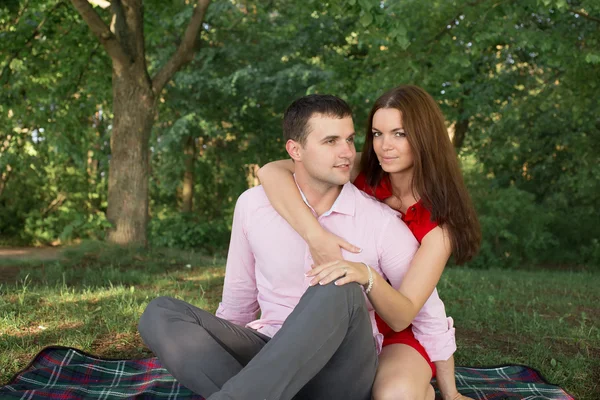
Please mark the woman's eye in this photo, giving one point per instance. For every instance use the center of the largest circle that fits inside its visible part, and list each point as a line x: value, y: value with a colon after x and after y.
x: 400, y: 134
x: 376, y: 134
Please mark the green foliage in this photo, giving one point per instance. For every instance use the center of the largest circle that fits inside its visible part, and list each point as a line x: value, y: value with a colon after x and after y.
x: 522, y: 75
x: 515, y: 229
x: 190, y: 232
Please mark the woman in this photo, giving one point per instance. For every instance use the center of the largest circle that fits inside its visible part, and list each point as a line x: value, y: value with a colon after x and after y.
x: 409, y: 163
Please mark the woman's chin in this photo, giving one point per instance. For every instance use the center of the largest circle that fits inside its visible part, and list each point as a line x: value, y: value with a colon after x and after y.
x: 390, y: 169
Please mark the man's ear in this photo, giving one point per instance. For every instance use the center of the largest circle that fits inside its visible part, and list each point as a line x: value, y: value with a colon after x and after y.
x: 294, y: 150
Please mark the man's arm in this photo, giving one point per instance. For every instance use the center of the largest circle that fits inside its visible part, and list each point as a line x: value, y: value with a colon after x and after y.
x: 239, y: 303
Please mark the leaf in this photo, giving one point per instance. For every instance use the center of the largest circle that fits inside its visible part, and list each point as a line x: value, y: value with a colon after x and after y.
x: 366, y: 19
x: 553, y: 362
x: 366, y: 5
x: 592, y: 58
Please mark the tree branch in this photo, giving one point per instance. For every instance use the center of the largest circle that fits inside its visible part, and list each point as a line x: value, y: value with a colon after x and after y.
x: 585, y: 15
x: 4, y: 179
x: 185, y: 52
x: 69, y: 96
x: 35, y: 32
x: 103, y: 33
x: 20, y: 14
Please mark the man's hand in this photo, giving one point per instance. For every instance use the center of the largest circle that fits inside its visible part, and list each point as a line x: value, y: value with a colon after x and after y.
x: 326, y: 247
x: 341, y: 272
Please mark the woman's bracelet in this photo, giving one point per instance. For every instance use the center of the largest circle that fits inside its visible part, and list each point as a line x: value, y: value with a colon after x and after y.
x: 370, y: 282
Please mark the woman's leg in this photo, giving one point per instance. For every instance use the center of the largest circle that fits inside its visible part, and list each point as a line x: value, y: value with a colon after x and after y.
x: 403, y: 374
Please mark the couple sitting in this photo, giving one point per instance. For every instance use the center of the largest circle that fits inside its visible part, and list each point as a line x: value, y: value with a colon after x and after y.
x: 358, y: 323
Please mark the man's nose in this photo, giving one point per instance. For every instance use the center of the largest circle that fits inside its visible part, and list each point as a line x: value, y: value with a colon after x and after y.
x: 348, y: 150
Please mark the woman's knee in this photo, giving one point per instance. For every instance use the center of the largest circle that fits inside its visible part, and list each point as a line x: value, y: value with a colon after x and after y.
x: 398, y: 389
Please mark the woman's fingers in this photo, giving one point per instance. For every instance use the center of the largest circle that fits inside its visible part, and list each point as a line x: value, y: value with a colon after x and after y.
x: 329, y: 276
x: 317, y: 269
x: 343, y: 281
x: 321, y: 275
x: 349, y: 247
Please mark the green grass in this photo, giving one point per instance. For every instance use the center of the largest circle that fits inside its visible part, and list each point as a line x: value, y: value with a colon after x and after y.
x: 94, y: 296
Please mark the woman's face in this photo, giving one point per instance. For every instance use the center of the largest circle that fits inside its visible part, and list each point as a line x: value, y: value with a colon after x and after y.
x: 390, y: 143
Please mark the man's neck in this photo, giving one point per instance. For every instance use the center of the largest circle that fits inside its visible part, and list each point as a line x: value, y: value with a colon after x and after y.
x: 319, y: 195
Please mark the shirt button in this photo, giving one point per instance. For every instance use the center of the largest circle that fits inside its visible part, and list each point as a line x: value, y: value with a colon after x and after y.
x: 412, y: 209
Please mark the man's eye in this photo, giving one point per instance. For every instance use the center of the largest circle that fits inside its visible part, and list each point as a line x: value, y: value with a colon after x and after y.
x: 350, y: 140
x: 330, y: 141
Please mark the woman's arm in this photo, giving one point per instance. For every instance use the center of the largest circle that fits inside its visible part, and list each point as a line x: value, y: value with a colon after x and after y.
x: 446, y: 380
x: 397, y: 308
x: 282, y: 191
x: 426, y: 268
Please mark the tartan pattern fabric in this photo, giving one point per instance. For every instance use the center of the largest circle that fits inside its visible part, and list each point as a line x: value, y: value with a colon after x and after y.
x: 68, y: 374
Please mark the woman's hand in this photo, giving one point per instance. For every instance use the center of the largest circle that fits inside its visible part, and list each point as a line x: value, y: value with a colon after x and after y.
x: 342, y: 270
x: 326, y: 247
x: 457, y: 396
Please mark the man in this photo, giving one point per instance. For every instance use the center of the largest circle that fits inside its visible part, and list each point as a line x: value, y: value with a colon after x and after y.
x: 311, y: 342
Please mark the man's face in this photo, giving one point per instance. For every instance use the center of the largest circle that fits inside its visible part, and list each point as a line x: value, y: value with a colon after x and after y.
x: 329, y: 153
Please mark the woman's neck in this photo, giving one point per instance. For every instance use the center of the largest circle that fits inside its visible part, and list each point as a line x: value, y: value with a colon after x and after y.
x: 402, y: 188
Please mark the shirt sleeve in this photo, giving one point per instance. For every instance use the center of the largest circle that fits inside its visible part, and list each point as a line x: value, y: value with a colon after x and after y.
x: 434, y: 330
x: 397, y: 247
x: 239, y: 303
x: 431, y: 327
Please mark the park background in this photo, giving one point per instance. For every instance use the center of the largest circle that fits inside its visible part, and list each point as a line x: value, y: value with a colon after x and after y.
x: 128, y: 132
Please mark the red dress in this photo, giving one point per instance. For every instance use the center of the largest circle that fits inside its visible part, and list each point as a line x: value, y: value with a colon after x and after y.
x: 418, y: 220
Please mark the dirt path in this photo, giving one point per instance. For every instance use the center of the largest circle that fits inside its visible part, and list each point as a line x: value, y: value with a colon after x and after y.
x: 32, y: 253
x: 9, y: 272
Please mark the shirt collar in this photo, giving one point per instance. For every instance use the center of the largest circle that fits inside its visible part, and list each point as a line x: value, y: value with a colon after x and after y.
x: 345, y: 203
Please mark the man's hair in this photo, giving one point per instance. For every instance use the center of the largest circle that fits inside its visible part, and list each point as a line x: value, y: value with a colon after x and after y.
x: 295, y: 119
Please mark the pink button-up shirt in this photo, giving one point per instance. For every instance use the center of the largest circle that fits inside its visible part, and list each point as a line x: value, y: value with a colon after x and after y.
x: 267, y: 261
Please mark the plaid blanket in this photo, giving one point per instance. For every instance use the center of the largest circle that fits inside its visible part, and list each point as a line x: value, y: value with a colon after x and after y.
x: 66, y: 373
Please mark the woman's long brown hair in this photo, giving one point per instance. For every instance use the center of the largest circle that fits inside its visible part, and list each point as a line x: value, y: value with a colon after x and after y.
x: 437, y: 179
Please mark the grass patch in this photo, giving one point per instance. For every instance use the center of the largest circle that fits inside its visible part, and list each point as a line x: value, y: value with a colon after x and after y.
x: 92, y: 298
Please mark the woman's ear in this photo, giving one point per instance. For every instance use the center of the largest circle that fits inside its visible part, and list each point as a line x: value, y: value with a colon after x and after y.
x: 294, y: 150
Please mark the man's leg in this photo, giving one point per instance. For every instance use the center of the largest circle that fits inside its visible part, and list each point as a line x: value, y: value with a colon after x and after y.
x: 200, y: 350
x: 326, y: 342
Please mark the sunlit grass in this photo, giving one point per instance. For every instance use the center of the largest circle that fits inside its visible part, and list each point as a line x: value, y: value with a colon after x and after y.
x: 93, y: 298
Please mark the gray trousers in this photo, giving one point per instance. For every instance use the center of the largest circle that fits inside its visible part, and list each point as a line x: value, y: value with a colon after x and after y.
x: 324, y: 350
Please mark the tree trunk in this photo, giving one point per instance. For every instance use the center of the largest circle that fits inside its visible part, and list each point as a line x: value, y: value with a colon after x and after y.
x: 188, y: 176
x: 460, y: 132
x: 134, y: 94
x: 462, y: 124
x: 134, y: 110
